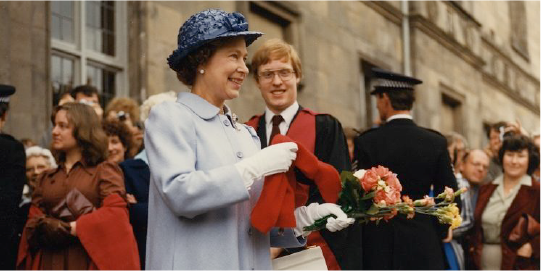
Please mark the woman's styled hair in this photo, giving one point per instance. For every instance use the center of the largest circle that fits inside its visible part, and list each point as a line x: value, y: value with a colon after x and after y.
x: 117, y: 128
x: 37, y: 151
x: 154, y: 100
x: 517, y: 143
x: 187, y: 68
x: 87, y: 132
x: 276, y: 49
x: 125, y: 104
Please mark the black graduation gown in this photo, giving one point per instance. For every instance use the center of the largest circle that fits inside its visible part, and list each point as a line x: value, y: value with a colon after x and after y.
x: 331, y: 148
x: 420, y: 158
x: 12, y: 179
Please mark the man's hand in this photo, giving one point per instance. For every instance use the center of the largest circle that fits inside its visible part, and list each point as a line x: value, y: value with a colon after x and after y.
x: 449, y: 237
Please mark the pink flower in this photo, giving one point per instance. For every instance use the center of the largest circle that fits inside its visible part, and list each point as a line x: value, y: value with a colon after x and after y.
x: 389, y: 197
x: 411, y: 214
x: 429, y: 201
x: 426, y: 201
x: 370, y: 180
x: 447, y: 195
x: 381, y: 171
x: 393, y: 182
x: 393, y: 213
x: 407, y: 200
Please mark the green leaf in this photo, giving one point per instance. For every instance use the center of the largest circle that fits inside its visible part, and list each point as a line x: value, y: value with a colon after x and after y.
x: 373, y: 210
x: 369, y: 195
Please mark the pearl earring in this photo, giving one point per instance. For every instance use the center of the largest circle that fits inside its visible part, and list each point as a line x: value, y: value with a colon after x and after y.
x: 201, y: 71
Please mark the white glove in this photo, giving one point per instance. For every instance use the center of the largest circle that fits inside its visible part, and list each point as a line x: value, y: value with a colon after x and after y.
x: 307, y: 215
x: 270, y: 160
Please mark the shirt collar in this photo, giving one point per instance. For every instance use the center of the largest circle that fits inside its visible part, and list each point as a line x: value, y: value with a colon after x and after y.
x: 399, y: 116
x: 198, y: 105
x: 525, y: 180
x: 61, y: 166
x: 288, y: 114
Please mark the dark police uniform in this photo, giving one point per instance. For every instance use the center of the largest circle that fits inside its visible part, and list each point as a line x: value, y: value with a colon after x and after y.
x: 420, y: 158
x: 12, y: 179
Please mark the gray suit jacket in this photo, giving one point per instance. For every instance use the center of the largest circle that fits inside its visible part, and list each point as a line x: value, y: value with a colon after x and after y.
x: 199, y: 208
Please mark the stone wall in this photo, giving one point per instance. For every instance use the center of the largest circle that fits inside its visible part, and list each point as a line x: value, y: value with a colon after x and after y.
x: 459, y: 49
x: 25, y: 54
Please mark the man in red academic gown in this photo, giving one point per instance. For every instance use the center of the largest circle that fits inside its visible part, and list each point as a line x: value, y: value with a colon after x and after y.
x: 277, y: 70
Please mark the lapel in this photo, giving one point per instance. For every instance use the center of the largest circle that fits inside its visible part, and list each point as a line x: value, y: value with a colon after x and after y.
x: 522, y: 200
x: 294, y: 117
x: 485, y: 192
x: 262, y: 131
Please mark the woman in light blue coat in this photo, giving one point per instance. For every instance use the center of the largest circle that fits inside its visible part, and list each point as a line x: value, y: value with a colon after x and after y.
x: 207, y: 169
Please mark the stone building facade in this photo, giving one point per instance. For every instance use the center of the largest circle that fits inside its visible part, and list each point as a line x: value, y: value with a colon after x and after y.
x: 479, y: 61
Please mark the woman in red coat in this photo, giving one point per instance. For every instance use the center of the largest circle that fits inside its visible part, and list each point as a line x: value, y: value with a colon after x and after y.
x: 78, y: 218
x: 500, y: 206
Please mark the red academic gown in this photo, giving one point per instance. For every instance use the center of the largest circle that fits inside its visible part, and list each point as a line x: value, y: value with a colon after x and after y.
x: 322, y: 135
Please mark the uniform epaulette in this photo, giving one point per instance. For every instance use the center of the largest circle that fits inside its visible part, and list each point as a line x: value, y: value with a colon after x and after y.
x: 10, y: 137
x: 433, y: 131
x: 368, y: 131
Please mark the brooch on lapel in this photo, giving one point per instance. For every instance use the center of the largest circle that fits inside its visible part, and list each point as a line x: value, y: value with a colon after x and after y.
x: 235, y: 119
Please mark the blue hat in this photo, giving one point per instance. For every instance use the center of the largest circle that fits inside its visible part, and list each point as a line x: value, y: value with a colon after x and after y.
x: 206, y: 26
x: 388, y: 81
x: 5, y: 92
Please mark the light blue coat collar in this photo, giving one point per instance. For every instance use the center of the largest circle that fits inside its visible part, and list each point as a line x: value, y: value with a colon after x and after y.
x: 200, y: 106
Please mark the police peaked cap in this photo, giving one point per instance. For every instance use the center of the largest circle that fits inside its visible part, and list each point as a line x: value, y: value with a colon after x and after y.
x: 388, y: 81
x: 5, y: 92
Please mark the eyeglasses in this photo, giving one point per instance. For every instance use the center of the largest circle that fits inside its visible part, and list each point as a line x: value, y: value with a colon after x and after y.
x: 284, y: 74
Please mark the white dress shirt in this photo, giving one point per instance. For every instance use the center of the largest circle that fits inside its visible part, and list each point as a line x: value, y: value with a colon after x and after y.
x: 399, y: 116
x: 287, y: 114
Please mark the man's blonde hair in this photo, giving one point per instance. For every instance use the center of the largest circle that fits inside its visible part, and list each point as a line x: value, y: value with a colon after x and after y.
x: 276, y: 49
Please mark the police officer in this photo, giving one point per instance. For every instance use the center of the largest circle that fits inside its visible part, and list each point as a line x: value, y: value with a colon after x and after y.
x: 12, y: 179
x: 420, y: 158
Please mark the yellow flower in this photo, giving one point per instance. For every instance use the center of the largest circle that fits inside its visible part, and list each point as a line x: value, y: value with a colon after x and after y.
x: 454, y: 213
x: 457, y: 221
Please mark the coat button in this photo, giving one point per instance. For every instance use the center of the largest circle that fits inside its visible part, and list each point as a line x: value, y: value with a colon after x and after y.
x: 250, y: 231
x: 226, y: 122
x: 239, y: 154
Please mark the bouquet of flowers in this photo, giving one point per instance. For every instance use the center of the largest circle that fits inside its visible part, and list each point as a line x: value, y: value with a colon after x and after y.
x: 374, y: 194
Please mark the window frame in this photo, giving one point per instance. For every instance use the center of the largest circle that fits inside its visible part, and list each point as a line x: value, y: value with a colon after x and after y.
x: 83, y: 55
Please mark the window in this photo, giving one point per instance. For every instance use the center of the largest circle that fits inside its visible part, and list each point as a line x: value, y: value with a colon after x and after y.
x: 88, y: 40
x: 62, y: 15
x: 61, y: 75
x: 370, y: 116
x: 100, y: 27
x: 275, y: 19
x: 450, y: 114
x: 104, y: 79
x: 519, y: 35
